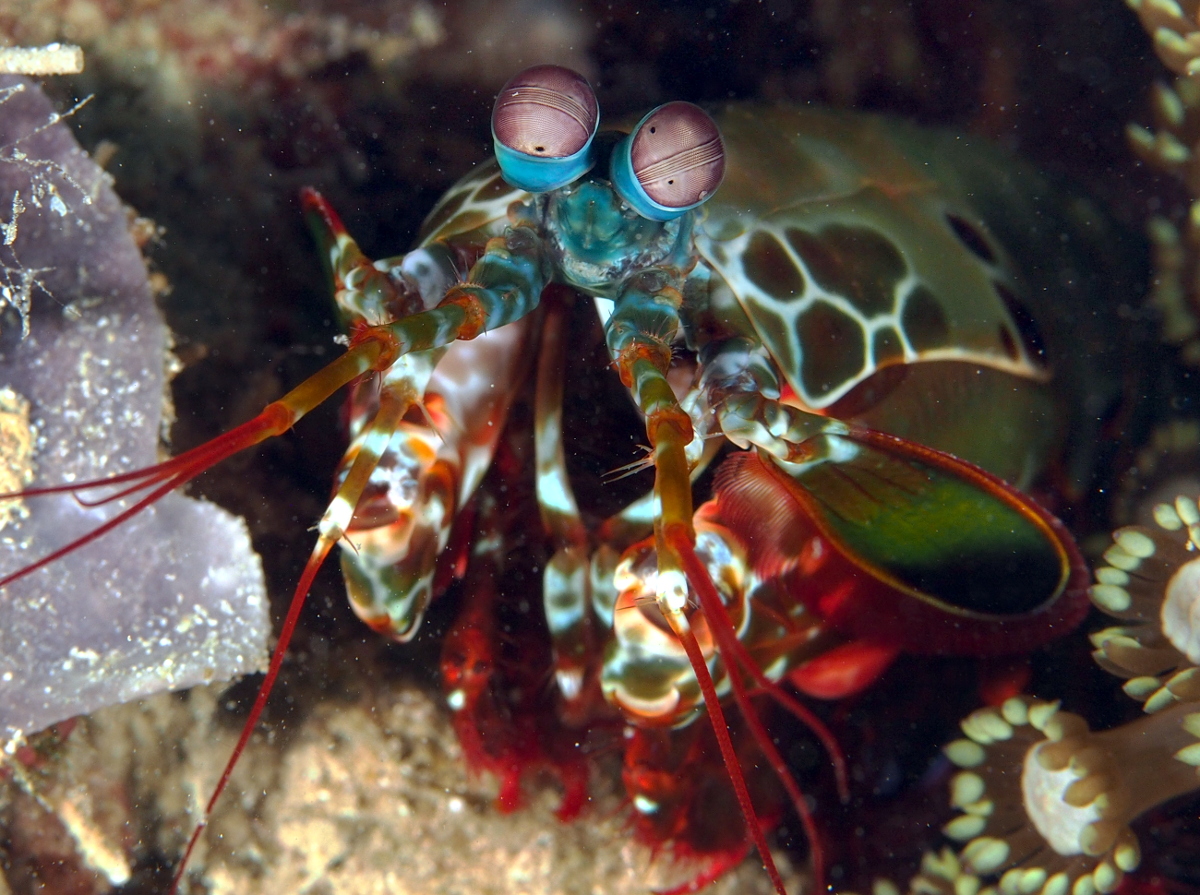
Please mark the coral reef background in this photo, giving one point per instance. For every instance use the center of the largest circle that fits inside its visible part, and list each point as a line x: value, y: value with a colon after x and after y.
x: 210, y: 116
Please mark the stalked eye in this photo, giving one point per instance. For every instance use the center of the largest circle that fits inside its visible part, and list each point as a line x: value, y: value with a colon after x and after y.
x: 671, y: 162
x: 543, y: 124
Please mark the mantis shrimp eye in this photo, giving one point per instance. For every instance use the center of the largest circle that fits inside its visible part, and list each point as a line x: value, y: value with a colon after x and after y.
x: 671, y: 162
x: 543, y: 123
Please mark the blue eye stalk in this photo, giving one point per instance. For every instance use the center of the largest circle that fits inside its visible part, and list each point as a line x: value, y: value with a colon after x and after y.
x: 672, y: 162
x: 543, y: 124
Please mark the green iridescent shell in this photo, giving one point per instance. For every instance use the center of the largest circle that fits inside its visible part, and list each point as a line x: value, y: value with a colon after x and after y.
x: 909, y: 278
x: 847, y: 256
x: 479, y: 201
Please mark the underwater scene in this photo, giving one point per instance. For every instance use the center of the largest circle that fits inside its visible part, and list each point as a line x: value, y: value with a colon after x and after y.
x: 517, y: 446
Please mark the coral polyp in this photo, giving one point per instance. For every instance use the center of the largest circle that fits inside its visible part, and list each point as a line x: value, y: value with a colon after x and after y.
x: 1150, y: 580
x: 1047, y: 803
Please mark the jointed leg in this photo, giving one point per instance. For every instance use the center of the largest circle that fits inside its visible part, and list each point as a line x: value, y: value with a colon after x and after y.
x: 640, y: 332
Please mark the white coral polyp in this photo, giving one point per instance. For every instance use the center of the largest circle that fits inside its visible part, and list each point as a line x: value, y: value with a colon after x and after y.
x: 1181, y: 611
x: 1064, y: 829
x: 1060, y: 824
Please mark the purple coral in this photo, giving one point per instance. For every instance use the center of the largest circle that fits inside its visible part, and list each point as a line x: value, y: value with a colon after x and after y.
x: 175, y: 597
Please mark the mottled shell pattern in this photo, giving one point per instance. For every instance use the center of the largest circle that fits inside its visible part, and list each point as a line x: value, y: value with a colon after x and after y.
x: 846, y: 260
